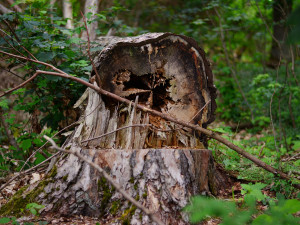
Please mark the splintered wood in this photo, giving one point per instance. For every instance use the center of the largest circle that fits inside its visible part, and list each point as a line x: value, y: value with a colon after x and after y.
x: 166, y: 72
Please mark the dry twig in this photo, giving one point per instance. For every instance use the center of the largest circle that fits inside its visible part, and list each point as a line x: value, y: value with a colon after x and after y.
x: 162, y: 115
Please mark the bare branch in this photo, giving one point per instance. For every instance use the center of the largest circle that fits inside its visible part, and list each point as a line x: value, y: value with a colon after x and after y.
x: 33, y: 60
x: 199, y: 111
x: 20, y: 85
x: 293, y: 66
x: 292, y: 158
x: 10, y: 71
x: 164, y: 116
x: 109, y: 179
x: 2, y: 31
x: 17, y: 40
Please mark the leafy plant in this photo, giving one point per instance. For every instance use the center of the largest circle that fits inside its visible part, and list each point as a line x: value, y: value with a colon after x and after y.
x: 280, y: 212
x: 34, y: 207
x: 7, y: 220
x: 252, y: 192
x: 202, y: 208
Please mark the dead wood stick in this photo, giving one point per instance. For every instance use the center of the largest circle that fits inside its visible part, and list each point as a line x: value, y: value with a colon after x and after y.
x: 33, y: 60
x: 166, y: 117
x: 17, y: 39
x: 109, y: 179
x: 20, y: 85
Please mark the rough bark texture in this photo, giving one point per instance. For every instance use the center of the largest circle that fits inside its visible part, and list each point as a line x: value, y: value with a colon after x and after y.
x: 161, y: 169
x: 91, y: 6
x: 68, y: 13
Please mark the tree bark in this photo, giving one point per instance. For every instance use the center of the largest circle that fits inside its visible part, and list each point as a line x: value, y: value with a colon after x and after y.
x: 91, y: 6
x: 68, y: 13
x: 157, y: 162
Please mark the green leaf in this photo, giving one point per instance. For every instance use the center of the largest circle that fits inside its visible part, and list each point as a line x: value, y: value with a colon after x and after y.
x: 45, y: 56
x: 4, y: 104
x: 4, y: 220
x: 222, y: 130
x: 296, y: 145
x: 89, y: 15
x: 39, y: 158
x: 202, y: 207
x: 26, y: 144
x: 199, y: 22
x: 263, y: 219
x: 291, y: 206
x: 33, y: 211
x: 38, y: 142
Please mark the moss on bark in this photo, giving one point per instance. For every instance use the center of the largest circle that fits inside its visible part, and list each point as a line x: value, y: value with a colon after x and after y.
x: 21, y: 198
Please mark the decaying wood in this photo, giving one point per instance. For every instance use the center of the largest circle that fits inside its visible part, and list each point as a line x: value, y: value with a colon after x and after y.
x: 165, y: 72
x: 169, y: 73
x: 161, y: 165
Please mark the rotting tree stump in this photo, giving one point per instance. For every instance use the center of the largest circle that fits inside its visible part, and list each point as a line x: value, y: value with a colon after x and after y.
x: 161, y: 165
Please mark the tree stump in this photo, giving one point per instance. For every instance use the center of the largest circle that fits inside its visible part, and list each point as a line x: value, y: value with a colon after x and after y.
x: 161, y: 165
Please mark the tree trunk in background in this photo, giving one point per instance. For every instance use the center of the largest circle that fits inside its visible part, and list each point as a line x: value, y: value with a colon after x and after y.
x: 281, y: 11
x: 161, y: 169
x: 68, y: 13
x: 91, y: 6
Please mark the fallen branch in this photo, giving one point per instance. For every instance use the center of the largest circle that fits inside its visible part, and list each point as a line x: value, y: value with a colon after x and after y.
x: 109, y: 179
x: 292, y: 158
x: 20, y: 85
x: 164, y: 116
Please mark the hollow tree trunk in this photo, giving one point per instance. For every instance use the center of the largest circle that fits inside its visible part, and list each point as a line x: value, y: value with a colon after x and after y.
x: 161, y: 165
